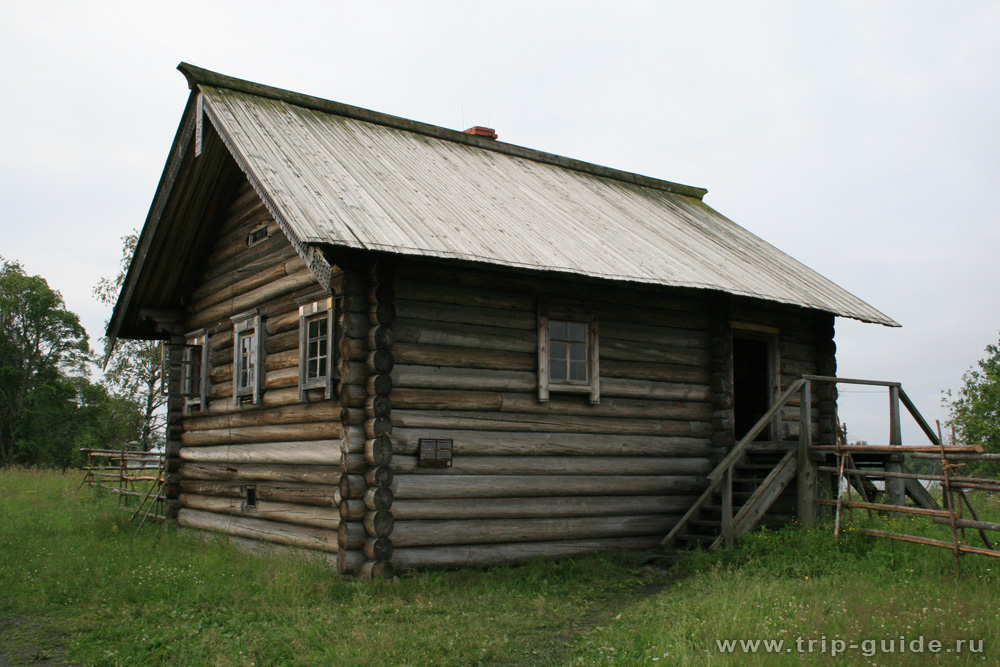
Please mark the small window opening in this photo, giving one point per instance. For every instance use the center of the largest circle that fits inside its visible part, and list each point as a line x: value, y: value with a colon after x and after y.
x: 247, y: 361
x: 567, y: 351
x: 317, y: 339
x: 317, y: 344
x: 257, y: 236
x: 251, y: 493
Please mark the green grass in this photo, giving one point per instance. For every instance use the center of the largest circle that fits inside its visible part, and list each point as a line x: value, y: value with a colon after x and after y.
x: 78, y: 587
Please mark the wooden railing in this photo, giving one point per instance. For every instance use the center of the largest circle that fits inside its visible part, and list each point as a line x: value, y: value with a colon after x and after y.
x: 798, y: 461
x: 722, y: 476
x: 129, y: 474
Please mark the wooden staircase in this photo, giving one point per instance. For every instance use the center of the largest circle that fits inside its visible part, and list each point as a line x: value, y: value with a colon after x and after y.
x: 746, y: 484
x: 758, y: 481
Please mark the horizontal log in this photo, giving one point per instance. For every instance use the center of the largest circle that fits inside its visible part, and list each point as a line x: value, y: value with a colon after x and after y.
x: 380, y: 362
x: 351, y: 536
x: 422, y: 290
x: 264, y: 276
x: 258, y: 434
x: 308, y: 452
x: 379, y: 385
x: 267, y: 416
x: 637, y: 370
x: 380, y: 337
x: 650, y: 353
x: 305, y: 494
x: 481, y: 316
x: 351, y: 509
x: 222, y: 363
x: 656, y: 335
x: 378, y: 498
x: 226, y: 260
x: 486, y: 279
x: 558, y: 465
x: 378, y: 548
x: 517, y: 552
x: 454, y: 334
x: 439, y: 355
x: 462, y: 532
x: 524, y: 508
x: 353, y: 349
x: 451, y: 377
x: 378, y: 523
x: 608, y: 407
x: 378, y: 451
x: 351, y: 561
x: 260, y: 529
x: 491, y: 421
x: 305, y: 515
x: 222, y: 280
x: 262, y: 472
x: 282, y: 342
x: 411, y: 487
x: 252, y: 298
x: 474, y: 379
x: 271, y: 398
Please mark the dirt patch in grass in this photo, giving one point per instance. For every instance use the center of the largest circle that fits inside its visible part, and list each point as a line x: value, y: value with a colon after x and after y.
x: 28, y: 641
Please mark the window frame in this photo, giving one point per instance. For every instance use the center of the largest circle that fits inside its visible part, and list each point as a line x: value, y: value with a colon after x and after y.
x: 245, y: 325
x: 548, y: 313
x: 313, y: 308
x: 195, y: 387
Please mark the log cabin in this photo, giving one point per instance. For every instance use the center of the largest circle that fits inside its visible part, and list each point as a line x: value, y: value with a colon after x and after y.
x: 404, y: 346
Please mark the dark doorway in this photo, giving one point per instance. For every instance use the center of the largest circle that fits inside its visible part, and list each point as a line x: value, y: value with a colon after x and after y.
x: 751, y: 385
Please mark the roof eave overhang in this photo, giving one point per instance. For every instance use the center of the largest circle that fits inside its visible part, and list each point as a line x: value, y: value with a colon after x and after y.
x: 122, y: 318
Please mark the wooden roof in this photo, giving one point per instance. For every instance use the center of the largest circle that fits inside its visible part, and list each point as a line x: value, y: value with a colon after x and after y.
x: 340, y: 176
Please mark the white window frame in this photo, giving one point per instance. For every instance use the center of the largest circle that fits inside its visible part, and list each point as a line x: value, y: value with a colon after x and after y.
x: 312, y: 309
x: 248, y: 326
x: 195, y: 371
x: 546, y: 385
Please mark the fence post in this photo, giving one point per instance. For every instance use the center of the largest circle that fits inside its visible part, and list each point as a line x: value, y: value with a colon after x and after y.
x: 895, y: 487
x: 806, y: 472
x: 727, y: 508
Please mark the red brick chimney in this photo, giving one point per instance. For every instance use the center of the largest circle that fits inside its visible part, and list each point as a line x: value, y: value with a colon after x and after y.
x: 487, y: 132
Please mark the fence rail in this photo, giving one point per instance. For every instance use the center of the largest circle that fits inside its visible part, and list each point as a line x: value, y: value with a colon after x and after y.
x: 129, y: 475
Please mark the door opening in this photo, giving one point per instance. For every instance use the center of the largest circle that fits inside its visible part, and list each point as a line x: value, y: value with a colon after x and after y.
x: 751, y: 385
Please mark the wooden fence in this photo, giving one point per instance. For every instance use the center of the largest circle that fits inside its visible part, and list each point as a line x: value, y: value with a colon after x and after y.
x: 137, y: 479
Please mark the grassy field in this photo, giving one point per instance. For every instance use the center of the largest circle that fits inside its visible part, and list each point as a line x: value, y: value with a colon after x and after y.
x: 77, y: 587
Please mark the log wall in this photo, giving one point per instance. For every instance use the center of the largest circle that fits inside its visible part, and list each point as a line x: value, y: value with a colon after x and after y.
x: 287, y: 449
x: 533, y: 478
x: 426, y: 349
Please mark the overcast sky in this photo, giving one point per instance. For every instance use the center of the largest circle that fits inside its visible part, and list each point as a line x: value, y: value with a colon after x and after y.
x: 863, y: 138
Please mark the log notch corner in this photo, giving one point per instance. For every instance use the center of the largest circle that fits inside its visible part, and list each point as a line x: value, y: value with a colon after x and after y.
x: 721, y: 360
x: 365, y: 546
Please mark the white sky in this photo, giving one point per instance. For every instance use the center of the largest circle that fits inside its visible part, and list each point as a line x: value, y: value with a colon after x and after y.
x: 863, y: 138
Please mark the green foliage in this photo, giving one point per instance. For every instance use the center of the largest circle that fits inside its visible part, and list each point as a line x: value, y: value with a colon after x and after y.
x: 41, y: 345
x: 85, y: 588
x: 975, y: 413
x: 133, y: 366
x: 49, y: 408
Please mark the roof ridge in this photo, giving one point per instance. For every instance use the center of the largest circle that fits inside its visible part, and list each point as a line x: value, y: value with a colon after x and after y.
x: 197, y: 76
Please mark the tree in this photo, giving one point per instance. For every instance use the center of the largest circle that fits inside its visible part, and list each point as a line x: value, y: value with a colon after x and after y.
x: 40, y: 343
x: 133, y: 368
x: 975, y: 413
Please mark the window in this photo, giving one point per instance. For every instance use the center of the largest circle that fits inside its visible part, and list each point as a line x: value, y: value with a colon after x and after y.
x: 248, y: 356
x: 258, y: 236
x: 567, y: 352
x: 316, y: 345
x: 195, y: 371
x: 250, y: 504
